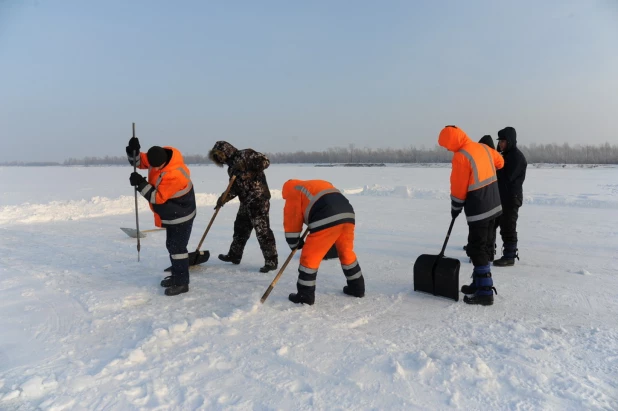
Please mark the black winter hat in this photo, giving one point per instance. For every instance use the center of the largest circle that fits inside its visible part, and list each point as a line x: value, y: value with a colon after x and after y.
x: 486, y: 139
x: 157, y: 156
x: 507, y: 133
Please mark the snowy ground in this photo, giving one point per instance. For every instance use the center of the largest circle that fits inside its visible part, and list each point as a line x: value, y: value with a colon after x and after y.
x: 85, y: 326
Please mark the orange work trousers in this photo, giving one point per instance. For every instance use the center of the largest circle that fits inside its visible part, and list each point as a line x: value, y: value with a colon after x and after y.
x: 317, y: 245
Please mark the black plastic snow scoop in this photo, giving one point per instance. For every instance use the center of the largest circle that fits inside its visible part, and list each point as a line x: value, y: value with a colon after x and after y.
x: 437, y: 274
x: 196, y: 258
x: 132, y: 232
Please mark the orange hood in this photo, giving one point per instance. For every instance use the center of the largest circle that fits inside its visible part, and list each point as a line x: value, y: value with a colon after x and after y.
x: 288, y: 188
x: 453, y: 138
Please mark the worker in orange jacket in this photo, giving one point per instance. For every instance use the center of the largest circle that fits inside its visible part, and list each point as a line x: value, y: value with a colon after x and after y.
x: 171, y: 197
x: 330, y: 219
x: 474, y: 188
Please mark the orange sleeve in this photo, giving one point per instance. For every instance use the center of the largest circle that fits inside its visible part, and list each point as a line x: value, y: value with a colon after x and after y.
x: 460, y: 177
x: 143, y: 161
x: 293, y: 219
x: 498, y: 159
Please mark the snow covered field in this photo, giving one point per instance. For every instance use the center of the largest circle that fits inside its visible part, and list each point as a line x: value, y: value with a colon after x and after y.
x: 84, y: 326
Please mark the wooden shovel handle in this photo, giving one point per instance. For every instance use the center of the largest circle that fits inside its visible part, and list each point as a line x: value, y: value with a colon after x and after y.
x: 227, y: 191
x: 287, y: 261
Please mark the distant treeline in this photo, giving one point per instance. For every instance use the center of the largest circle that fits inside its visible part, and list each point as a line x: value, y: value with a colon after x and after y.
x: 535, y: 153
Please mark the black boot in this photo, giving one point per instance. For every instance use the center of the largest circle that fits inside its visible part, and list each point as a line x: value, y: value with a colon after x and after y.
x: 356, y: 287
x: 298, y: 298
x: 505, y: 261
x: 176, y: 289
x: 269, y: 266
x: 167, y: 282
x: 354, y: 292
x: 229, y: 258
x: 509, y: 254
x: 484, y: 290
x: 468, y: 289
x: 479, y: 299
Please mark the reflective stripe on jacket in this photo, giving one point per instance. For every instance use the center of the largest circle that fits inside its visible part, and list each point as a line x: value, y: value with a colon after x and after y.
x: 474, y: 184
x: 316, y: 203
x: 169, y: 190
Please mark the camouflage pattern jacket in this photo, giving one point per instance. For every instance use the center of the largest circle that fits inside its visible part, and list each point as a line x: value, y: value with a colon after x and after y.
x: 250, y: 184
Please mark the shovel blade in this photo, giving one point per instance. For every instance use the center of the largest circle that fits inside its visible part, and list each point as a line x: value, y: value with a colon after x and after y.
x: 437, y: 275
x: 132, y: 232
x: 202, y: 257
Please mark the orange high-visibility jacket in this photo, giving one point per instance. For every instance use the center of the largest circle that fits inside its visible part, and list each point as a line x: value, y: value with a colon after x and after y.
x: 473, y: 177
x: 316, y: 203
x: 169, y: 190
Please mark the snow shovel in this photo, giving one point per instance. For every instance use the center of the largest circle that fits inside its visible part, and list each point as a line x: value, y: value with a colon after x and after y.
x: 132, y: 232
x: 437, y: 274
x: 200, y: 257
x: 287, y: 261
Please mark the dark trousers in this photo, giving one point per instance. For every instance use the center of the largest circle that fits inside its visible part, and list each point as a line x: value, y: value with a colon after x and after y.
x: 254, y: 215
x: 177, y: 239
x: 479, y: 246
x: 508, y: 223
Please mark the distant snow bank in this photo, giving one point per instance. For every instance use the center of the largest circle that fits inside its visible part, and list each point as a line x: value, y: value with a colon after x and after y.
x: 97, y: 206
x: 579, y: 200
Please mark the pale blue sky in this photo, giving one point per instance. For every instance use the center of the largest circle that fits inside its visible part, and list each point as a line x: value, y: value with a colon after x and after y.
x: 288, y: 75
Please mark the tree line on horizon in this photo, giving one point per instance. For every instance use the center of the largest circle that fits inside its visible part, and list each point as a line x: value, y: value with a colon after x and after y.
x: 535, y: 153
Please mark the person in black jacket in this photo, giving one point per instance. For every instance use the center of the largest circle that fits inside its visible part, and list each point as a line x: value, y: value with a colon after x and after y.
x: 252, y: 190
x: 510, y: 182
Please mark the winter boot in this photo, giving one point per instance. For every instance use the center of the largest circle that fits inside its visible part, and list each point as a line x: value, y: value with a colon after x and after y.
x: 509, y: 254
x: 353, y: 292
x: 270, y: 265
x: 471, y: 289
x: 167, y: 282
x: 228, y: 258
x: 176, y: 289
x: 305, y: 295
x: 355, y: 288
x: 298, y: 298
x: 484, y: 294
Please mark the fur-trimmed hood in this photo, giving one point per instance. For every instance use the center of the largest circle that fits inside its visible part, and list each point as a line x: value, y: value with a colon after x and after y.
x: 222, y: 153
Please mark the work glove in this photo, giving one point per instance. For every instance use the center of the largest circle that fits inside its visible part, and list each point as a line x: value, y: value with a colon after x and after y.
x: 220, y: 201
x: 238, y: 169
x: 301, y: 243
x: 455, y: 213
x: 136, y: 179
x: 133, y: 146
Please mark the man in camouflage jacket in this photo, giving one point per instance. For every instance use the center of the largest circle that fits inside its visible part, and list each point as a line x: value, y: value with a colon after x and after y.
x: 252, y: 190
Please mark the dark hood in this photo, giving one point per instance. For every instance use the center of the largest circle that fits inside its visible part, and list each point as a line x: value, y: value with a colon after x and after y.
x: 510, y: 135
x: 222, y: 150
x: 487, y: 141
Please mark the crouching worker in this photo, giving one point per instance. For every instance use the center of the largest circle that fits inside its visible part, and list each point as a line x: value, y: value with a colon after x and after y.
x: 474, y: 188
x: 330, y: 219
x: 171, y: 197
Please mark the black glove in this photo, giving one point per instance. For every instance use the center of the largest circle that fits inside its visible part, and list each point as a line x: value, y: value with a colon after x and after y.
x: 136, y: 179
x: 301, y: 243
x: 238, y: 168
x: 133, y: 146
x: 220, y: 202
x: 455, y: 213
